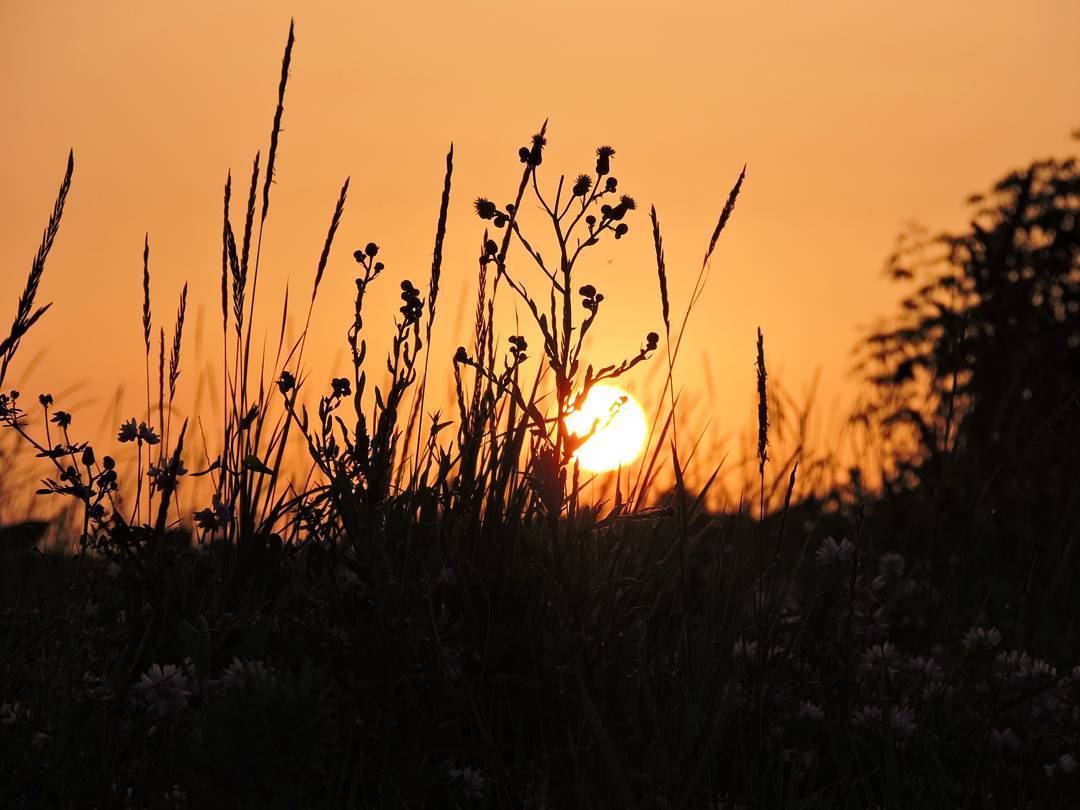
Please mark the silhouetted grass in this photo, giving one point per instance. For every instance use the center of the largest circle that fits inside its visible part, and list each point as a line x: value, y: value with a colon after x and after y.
x: 437, y: 616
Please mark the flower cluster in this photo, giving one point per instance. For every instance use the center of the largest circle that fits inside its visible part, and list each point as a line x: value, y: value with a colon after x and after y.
x: 132, y: 431
x: 9, y: 409
x: 533, y: 155
x: 486, y: 209
x: 590, y: 298
x: 340, y: 387
x: 413, y: 306
x: 217, y: 516
x: 518, y: 346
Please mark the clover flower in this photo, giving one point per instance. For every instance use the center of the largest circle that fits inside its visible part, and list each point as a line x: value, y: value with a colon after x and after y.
x: 447, y: 577
x: 902, y: 722
x: 830, y: 551
x: 810, y: 711
x: 241, y: 674
x: 981, y: 638
x: 744, y: 650
x: 164, y: 689
x: 1065, y: 764
x: 9, y: 713
x: 472, y: 782
x: 881, y: 656
x: 927, y: 667
x: 1003, y: 741
x: 866, y: 717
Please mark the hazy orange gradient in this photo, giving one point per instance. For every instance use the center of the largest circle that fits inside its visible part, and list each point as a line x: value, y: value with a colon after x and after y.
x: 853, y: 117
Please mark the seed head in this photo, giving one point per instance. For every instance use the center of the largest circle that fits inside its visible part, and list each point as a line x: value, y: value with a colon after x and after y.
x: 485, y: 208
x: 603, y: 160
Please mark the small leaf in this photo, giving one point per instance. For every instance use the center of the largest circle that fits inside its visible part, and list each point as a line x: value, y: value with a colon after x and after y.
x: 255, y: 464
x: 249, y: 417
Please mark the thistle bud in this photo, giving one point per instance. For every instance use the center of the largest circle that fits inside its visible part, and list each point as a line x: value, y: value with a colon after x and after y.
x: 603, y: 160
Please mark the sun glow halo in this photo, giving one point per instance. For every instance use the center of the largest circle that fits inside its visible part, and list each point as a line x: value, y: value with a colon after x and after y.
x: 621, y: 429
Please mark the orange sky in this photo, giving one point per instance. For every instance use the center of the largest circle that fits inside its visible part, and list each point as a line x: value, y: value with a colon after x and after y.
x: 854, y: 118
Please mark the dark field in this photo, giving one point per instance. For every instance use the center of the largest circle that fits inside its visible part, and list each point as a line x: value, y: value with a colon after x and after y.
x: 437, y: 613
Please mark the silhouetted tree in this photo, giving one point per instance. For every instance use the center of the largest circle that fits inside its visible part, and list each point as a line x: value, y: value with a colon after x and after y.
x: 977, y: 380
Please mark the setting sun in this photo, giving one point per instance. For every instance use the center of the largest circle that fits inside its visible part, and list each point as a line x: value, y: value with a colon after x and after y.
x: 621, y: 429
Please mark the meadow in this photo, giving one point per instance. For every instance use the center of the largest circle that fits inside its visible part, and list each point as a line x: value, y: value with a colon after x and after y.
x: 442, y: 609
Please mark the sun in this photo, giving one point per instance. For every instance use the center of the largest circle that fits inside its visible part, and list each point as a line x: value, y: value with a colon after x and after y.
x: 620, y: 431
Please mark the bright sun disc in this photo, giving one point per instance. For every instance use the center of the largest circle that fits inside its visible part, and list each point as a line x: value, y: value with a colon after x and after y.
x: 621, y: 429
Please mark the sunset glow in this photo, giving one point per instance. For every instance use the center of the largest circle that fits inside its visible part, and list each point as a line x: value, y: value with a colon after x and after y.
x: 620, y: 429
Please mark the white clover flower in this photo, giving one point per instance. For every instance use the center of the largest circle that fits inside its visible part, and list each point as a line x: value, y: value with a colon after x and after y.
x: 1067, y: 763
x: 240, y: 673
x: 175, y: 797
x: 472, y: 781
x: 164, y: 689
x: 866, y: 717
x: 881, y: 656
x: 742, y: 649
x: 810, y: 711
x: 112, y: 570
x: 832, y: 552
x: 39, y: 739
x: 927, y: 667
x: 9, y: 713
x: 981, y: 638
x: 902, y: 721
x: 1041, y: 669
x: 1003, y: 741
x: 447, y: 577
